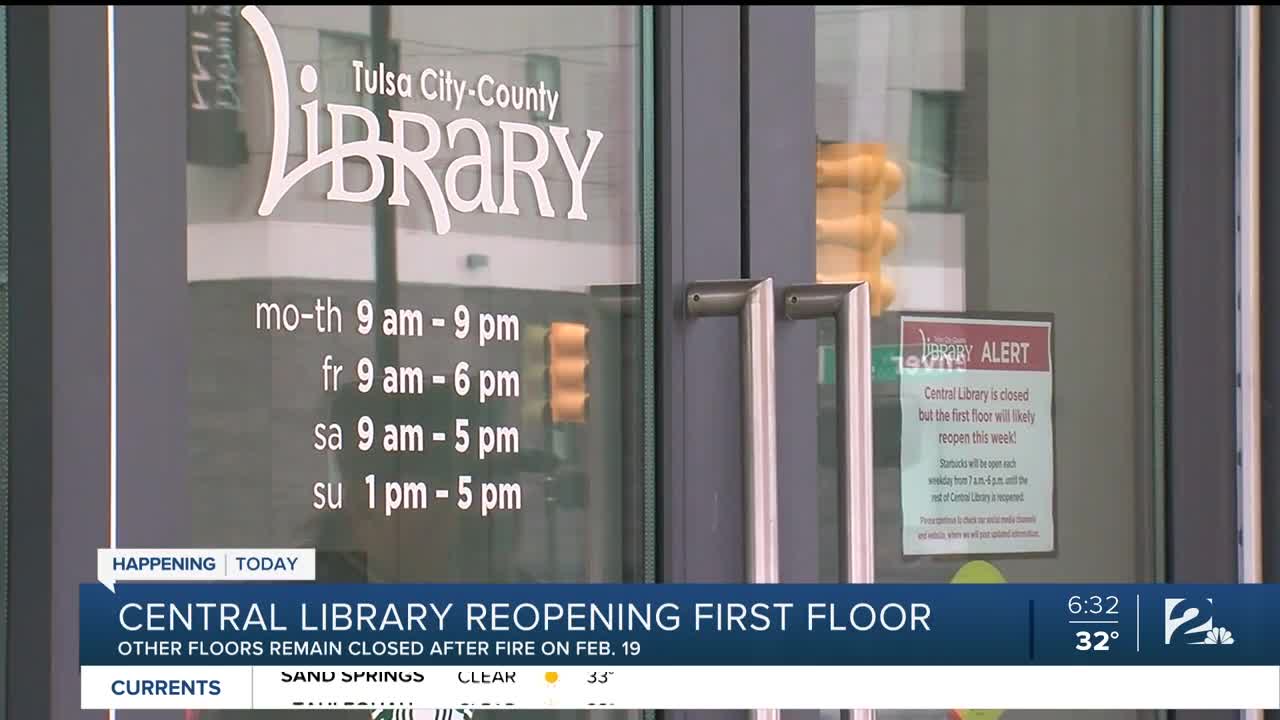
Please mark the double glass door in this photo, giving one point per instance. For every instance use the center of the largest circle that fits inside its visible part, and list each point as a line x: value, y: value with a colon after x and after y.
x: 504, y: 294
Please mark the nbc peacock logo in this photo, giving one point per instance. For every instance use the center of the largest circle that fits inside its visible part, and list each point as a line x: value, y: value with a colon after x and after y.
x: 1192, y: 623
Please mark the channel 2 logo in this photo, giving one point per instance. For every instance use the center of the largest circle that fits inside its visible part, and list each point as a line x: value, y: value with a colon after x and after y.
x: 1189, y: 623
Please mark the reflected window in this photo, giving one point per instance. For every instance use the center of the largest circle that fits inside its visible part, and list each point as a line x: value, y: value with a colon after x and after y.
x: 338, y: 51
x: 932, y: 184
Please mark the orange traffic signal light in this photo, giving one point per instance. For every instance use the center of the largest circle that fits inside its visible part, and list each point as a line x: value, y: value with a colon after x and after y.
x: 567, y: 363
x: 854, y: 179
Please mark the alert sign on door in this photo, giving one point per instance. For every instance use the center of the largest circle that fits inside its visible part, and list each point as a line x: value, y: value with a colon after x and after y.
x: 977, y: 398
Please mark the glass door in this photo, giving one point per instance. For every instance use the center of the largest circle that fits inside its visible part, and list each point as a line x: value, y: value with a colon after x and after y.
x: 986, y: 175
x: 983, y: 169
x: 985, y: 172
x: 419, y: 269
x: 431, y: 287
x: 414, y: 354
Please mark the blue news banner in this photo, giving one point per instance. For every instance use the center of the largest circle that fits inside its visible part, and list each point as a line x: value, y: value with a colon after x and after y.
x: 292, y: 624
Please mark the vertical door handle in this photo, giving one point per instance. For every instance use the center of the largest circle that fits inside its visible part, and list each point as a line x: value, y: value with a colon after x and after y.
x: 850, y: 305
x: 752, y: 302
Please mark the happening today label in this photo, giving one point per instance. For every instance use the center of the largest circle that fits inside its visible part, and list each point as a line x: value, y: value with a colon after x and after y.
x: 205, y: 565
x: 979, y: 395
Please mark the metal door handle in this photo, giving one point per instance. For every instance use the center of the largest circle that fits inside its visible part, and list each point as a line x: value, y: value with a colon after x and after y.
x: 850, y: 305
x: 752, y: 302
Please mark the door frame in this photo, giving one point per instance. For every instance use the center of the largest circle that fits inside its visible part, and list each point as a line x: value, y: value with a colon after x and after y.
x: 736, y: 192
x: 1201, y: 457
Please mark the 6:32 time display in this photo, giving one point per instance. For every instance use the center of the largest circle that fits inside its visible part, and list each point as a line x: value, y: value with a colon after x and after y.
x: 1093, y: 605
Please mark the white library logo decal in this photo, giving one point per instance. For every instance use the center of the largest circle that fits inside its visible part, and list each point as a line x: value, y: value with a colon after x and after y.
x: 431, y: 84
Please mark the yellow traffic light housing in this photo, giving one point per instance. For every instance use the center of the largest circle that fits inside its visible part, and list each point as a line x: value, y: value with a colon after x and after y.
x: 567, y: 364
x: 533, y: 396
x: 854, y: 180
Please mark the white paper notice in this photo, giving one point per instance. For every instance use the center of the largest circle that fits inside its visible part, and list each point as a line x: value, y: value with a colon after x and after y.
x: 977, y: 400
